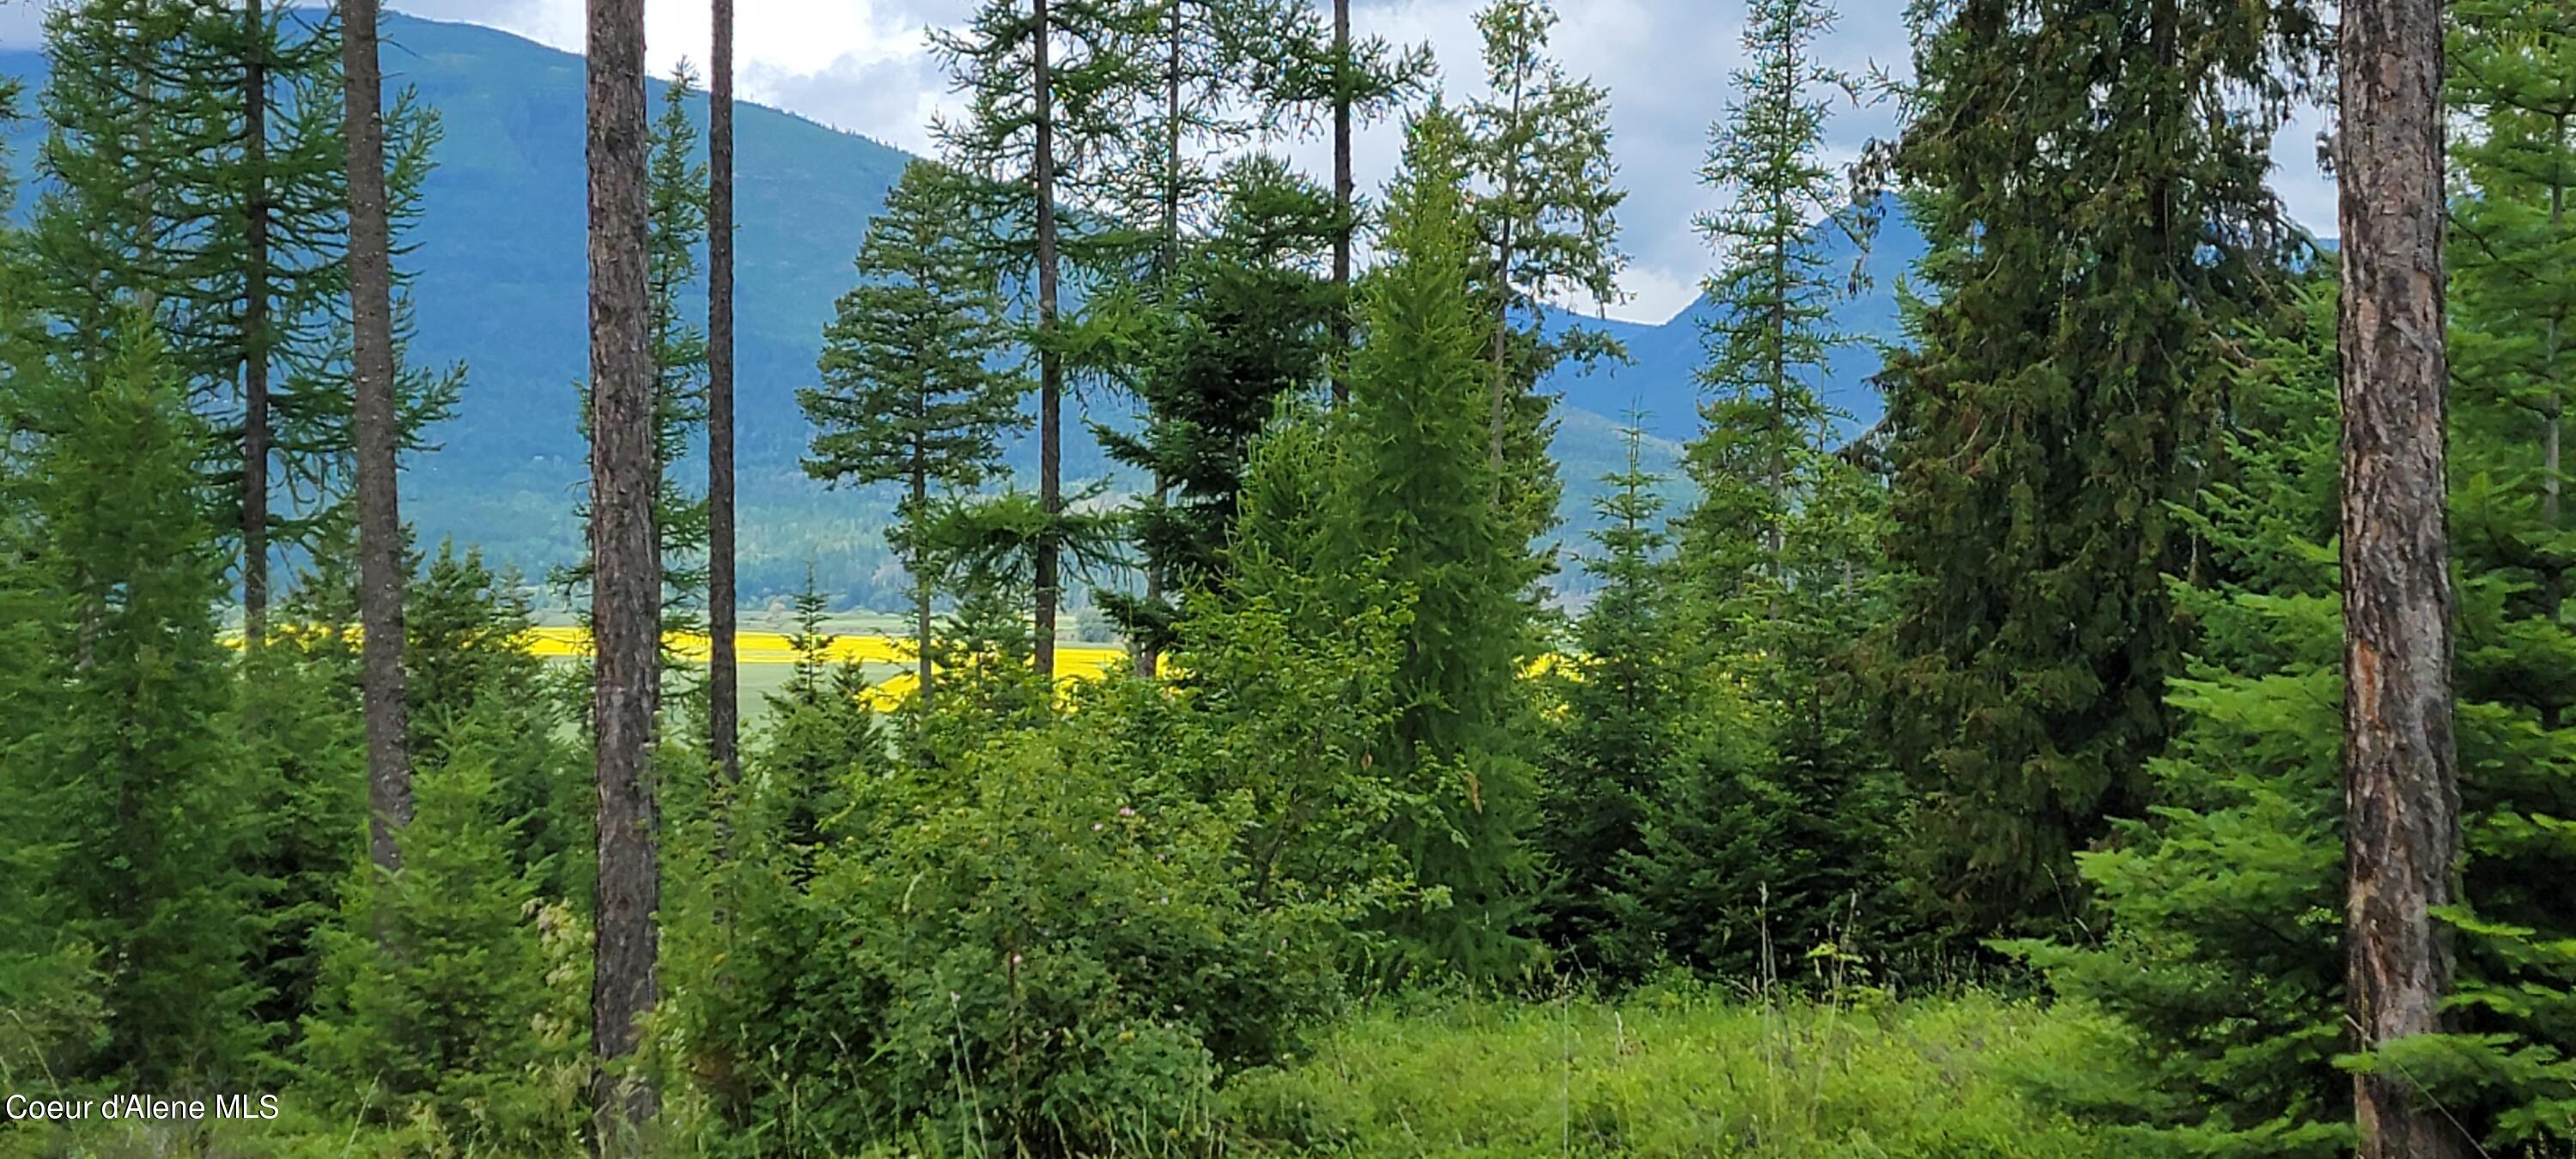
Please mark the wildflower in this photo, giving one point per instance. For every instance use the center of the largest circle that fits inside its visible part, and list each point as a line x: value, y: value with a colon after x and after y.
x: 1124, y: 811
x: 1097, y: 826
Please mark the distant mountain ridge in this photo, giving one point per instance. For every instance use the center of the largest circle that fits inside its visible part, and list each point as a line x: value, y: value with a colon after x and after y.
x: 500, y: 285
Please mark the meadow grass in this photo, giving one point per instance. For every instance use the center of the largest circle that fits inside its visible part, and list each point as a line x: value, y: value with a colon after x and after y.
x: 1688, y: 1071
x: 1680, y: 1072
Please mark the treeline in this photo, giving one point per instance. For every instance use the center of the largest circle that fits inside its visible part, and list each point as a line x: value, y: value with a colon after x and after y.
x: 2044, y: 675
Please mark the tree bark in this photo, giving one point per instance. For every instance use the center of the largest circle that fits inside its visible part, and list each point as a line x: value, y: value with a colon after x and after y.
x: 724, y: 719
x: 920, y: 561
x: 2401, y: 793
x: 626, y: 582
x: 1050, y: 361
x: 1169, y: 263
x: 1342, y: 190
x: 255, y: 342
x: 372, y: 422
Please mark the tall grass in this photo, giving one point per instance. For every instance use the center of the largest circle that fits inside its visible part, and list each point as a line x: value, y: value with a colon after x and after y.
x: 1674, y: 1071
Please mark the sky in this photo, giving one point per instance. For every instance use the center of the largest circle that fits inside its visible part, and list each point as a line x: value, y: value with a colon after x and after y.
x: 865, y: 66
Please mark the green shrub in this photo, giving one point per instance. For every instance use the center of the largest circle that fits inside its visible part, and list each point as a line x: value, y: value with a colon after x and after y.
x: 1042, y: 951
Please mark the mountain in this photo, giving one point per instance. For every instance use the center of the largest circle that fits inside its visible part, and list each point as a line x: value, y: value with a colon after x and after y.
x: 500, y: 270
x: 1661, y: 377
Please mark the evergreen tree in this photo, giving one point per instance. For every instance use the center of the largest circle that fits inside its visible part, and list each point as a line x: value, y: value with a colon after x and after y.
x: 469, y: 657
x: 1192, y: 107
x: 724, y: 714
x: 375, y: 431
x: 140, y: 760
x: 2513, y: 69
x: 1047, y: 91
x: 1420, y: 488
x: 302, y: 727
x: 822, y: 739
x: 676, y: 183
x: 1623, y: 708
x: 1769, y: 828
x: 1772, y: 333
x: 50, y: 1014
x: 2089, y: 174
x: 455, y: 1025
x: 196, y: 166
x: 912, y: 392
x: 1307, y: 69
x: 1249, y: 327
x: 1545, y: 218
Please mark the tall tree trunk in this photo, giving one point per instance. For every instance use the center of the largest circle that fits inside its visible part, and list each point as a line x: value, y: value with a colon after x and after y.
x: 372, y: 422
x: 724, y: 721
x: 2401, y: 794
x: 255, y: 341
x: 1050, y: 361
x: 1775, y: 539
x: 1503, y: 304
x: 626, y: 582
x: 1342, y: 188
x: 1169, y: 261
x: 919, y: 560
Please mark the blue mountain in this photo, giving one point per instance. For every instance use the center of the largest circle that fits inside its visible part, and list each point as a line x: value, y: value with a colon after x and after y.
x: 500, y: 271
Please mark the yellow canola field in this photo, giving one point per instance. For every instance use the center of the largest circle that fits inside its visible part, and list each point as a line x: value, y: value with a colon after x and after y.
x: 1074, y: 662
x: 1077, y: 662
x: 779, y: 648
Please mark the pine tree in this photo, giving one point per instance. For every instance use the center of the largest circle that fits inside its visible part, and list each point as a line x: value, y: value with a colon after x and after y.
x: 140, y: 758
x: 1249, y: 326
x: 1768, y: 830
x: 822, y: 738
x: 466, y: 1033
x: 1193, y: 107
x: 1047, y: 91
x: 1623, y: 708
x: 1773, y: 330
x: 2400, y: 766
x: 676, y: 183
x: 197, y: 165
x: 2222, y: 944
x: 1546, y: 220
x: 1420, y: 489
x: 676, y: 208
x: 2514, y: 71
x: 51, y: 1016
x: 2089, y: 174
x: 304, y: 731
x: 912, y: 392
x: 1308, y: 68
